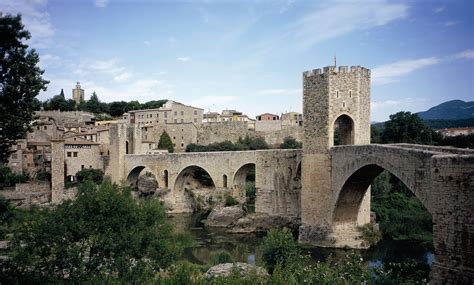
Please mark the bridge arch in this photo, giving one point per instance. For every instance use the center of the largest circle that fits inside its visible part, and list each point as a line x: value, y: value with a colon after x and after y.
x: 352, y: 192
x: 240, y: 178
x: 134, y: 174
x: 193, y: 175
x: 343, y: 130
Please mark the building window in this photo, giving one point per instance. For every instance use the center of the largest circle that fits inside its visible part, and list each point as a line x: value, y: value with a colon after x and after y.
x: 195, y: 112
x: 68, y: 154
x: 166, y: 121
x: 14, y: 156
x: 182, y: 113
x: 224, y: 181
x: 90, y: 166
x: 175, y: 113
x: 182, y: 121
x: 166, y: 178
x: 343, y: 104
x: 166, y: 115
x: 75, y: 154
x: 195, y: 120
x: 157, y: 115
x: 350, y: 93
x: 174, y: 138
x: 45, y: 127
x: 337, y: 93
x: 82, y: 166
x: 175, y: 120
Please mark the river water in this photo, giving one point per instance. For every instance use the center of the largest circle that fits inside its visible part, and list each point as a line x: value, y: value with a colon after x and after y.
x: 210, y: 242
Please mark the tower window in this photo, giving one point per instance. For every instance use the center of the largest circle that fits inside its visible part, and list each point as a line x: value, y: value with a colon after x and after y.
x: 343, y: 104
x: 337, y: 93
x: 350, y: 93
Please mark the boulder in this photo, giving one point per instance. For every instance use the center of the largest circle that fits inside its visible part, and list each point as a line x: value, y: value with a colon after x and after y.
x: 259, y: 222
x: 224, y: 217
x: 225, y: 269
x: 147, y: 185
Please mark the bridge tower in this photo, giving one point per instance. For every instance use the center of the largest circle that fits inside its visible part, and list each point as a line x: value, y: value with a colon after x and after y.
x: 336, y: 110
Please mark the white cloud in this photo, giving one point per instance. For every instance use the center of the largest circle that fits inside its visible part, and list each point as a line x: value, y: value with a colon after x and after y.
x: 49, y: 61
x: 184, y: 59
x: 282, y: 91
x: 101, y: 3
x: 35, y: 19
x: 342, y: 17
x: 467, y: 54
x: 450, y: 23
x: 147, y: 43
x: 391, y: 72
x: 123, y: 77
x: 106, y: 66
x: 439, y: 9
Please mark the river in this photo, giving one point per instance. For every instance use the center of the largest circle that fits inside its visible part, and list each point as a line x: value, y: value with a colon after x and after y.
x: 210, y: 242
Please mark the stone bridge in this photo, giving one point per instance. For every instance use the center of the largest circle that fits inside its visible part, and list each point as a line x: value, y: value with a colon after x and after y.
x: 277, y: 175
x: 441, y: 178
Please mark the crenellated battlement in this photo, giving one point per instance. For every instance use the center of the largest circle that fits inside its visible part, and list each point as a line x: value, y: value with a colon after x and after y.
x: 334, y: 70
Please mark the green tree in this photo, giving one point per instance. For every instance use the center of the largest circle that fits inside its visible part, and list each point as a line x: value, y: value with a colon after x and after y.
x: 165, y: 142
x: 290, y: 143
x: 104, y: 232
x: 59, y: 102
x: 90, y: 174
x: 93, y: 105
x: 405, y: 127
x: 278, y: 248
x: 20, y: 80
x: 118, y: 108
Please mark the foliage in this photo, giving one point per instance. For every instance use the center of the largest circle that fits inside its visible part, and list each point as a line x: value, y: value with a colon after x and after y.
x: 400, y: 214
x: 278, y: 248
x: 20, y: 81
x: 405, y: 127
x: 59, y: 102
x: 291, y: 143
x: 221, y: 257
x: 442, y: 124
x: 8, y: 178
x: 165, y: 142
x: 94, y: 105
x: 462, y: 141
x: 203, y: 177
x: 247, y: 143
x: 230, y: 201
x: 6, y: 216
x: 90, y: 174
x: 250, y: 193
x: 371, y: 234
x: 407, y: 272
x: 104, y: 232
x: 43, y: 175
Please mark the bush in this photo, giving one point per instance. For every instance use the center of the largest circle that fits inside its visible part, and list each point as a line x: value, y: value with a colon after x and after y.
x: 291, y: 143
x: 104, y: 232
x: 90, y: 174
x: 43, y: 175
x: 8, y: 178
x: 165, y: 142
x: 230, y: 201
x: 278, y: 248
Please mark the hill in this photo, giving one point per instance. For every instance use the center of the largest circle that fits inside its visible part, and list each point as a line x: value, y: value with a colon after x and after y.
x: 450, y: 110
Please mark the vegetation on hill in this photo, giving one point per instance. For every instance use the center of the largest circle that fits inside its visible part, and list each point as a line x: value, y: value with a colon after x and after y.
x: 450, y: 110
x: 20, y: 80
x: 443, y: 124
x: 94, y: 105
x: 248, y: 143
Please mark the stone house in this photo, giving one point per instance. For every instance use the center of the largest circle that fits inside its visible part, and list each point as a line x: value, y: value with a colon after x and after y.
x: 80, y: 154
x: 267, y: 117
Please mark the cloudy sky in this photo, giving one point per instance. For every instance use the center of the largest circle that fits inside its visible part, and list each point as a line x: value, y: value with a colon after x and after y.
x: 250, y: 55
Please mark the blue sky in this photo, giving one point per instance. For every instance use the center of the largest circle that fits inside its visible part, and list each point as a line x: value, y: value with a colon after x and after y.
x: 250, y: 55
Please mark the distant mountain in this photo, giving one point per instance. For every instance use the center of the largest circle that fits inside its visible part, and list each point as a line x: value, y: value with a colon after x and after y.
x: 450, y: 110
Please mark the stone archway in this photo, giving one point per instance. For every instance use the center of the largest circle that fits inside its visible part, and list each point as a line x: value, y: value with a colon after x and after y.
x: 244, y: 174
x: 193, y: 177
x: 343, y: 130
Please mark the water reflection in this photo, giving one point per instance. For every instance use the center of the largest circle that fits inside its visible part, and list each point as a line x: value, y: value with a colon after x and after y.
x: 243, y: 247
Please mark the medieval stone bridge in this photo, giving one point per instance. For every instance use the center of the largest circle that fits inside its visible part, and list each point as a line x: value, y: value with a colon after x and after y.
x: 277, y: 173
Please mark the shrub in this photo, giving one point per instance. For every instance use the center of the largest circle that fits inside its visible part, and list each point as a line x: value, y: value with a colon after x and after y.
x: 230, y: 201
x: 278, y: 248
x: 90, y: 174
x: 290, y: 143
x: 8, y: 178
x: 165, y: 142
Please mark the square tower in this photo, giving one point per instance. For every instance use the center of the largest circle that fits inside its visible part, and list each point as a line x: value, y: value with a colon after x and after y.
x: 336, y: 110
x: 78, y: 94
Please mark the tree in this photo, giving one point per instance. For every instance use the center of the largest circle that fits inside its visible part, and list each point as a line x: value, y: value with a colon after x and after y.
x: 93, y: 105
x: 290, y: 143
x: 118, y: 108
x: 278, y: 248
x: 165, y: 142
x: 90, y: 174
x: 104, y: 232
x: 405, y: 127
x: 20, y: 82
x: 59, y: 102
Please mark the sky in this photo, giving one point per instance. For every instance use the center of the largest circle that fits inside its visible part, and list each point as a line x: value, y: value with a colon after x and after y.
x: 250, y: 55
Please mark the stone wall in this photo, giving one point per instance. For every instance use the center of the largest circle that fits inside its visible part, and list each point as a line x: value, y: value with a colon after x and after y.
x: 267, y: 126
x: 27, y: 194
x: 278, y: 182
x: 218, y: 132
